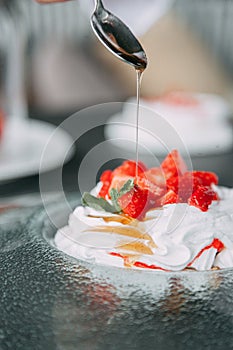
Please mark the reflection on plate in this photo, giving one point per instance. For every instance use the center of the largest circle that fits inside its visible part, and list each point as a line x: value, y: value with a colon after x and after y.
x: 23, y: 145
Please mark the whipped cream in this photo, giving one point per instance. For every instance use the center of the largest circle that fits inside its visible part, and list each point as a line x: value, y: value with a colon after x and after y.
x: 171, y: 238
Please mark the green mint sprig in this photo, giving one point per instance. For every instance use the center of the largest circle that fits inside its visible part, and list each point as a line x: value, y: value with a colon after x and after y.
x: 97, y: 203
x: 102, y: 204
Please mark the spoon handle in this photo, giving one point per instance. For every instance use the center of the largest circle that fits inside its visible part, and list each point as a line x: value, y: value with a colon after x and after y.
x: 99, y: 4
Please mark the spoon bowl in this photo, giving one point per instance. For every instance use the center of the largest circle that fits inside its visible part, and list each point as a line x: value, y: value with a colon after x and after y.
x: 117, y: 37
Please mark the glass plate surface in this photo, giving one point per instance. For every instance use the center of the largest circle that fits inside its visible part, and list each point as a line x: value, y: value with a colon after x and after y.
x: 52, y: 301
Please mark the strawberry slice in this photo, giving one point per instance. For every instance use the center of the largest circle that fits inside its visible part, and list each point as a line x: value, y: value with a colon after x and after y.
x: 145, y: 184
x: 170, y: 197
x: 173, y: 183
x: 135, y: 203
x: 106, y: 179
x: 129, y: 167
x: 119, y: 176
x: 118, y: 181
x: 182, y: 185
x: 156, y: 176
x: 187, y: 185
x: 206, y: 178
x: 106, y: 176
x: 173, y: 165
x: 202, y: 197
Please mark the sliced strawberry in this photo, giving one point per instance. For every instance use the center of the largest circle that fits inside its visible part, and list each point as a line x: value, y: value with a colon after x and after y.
x: 173, y: 183
x: 202, y: 197
x: 187, y: 185
x: 145, y: 184
x: 206, y: 178
x: 184, y: 185
x: 106, y: 179
x: 106, y: 176
x: 118, y: 181
x: 135, y: 202
x: 129, y: 167
x: 173, y: 165
x: 169, y: 198
x: 156, y: 176
x: 104, y: 191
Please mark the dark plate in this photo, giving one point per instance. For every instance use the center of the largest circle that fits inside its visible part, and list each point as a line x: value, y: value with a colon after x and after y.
x: 51, y: 301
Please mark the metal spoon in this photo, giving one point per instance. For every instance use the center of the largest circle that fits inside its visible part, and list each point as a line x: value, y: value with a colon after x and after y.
x: 117, y: 37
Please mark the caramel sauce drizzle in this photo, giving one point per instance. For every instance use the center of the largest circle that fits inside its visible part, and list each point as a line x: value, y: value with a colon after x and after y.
x: 125, y: 231
x: 138, y: 247
x: 124, y: 220
x: 132, y: 231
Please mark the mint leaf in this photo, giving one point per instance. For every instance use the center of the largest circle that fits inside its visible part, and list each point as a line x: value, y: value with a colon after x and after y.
x: 91, y: 201
x: 98, y: 203
x: 114, y: 197
x: 126, y: 187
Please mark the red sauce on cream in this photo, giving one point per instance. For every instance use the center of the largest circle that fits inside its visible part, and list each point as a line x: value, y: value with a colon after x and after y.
x: 217, y: 244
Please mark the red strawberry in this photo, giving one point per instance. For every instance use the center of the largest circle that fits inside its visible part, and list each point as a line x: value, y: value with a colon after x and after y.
x: 128, y: 167
x: 156, y: 176
x: 106, y: 179
x: 106, y: 176
x: 173, y: 183
x: 119, y: 176
x: 183, y: 185
x: 202, y: 197
x: 145, y: 184
x: 135, y: 202
x: 206, y: 178
x: 173, y: 165
x: 187, y: 185
x: 169, y: 198
x: 118, y: 181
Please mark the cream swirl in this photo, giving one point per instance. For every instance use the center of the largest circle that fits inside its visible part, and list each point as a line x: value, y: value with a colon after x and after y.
x: 171, y: 238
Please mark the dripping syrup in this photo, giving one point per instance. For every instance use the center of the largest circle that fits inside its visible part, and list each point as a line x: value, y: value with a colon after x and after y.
x: 139, y: 73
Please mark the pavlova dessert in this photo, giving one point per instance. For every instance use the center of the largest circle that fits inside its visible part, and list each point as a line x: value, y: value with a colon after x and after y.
x: 163, y: 218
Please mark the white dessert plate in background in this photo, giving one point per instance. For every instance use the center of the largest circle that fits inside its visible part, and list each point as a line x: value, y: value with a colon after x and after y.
x: 23, y: 145
x: 200, y: 121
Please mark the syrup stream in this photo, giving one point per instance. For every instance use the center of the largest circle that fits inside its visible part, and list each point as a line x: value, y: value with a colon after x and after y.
x: 139, y: 76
